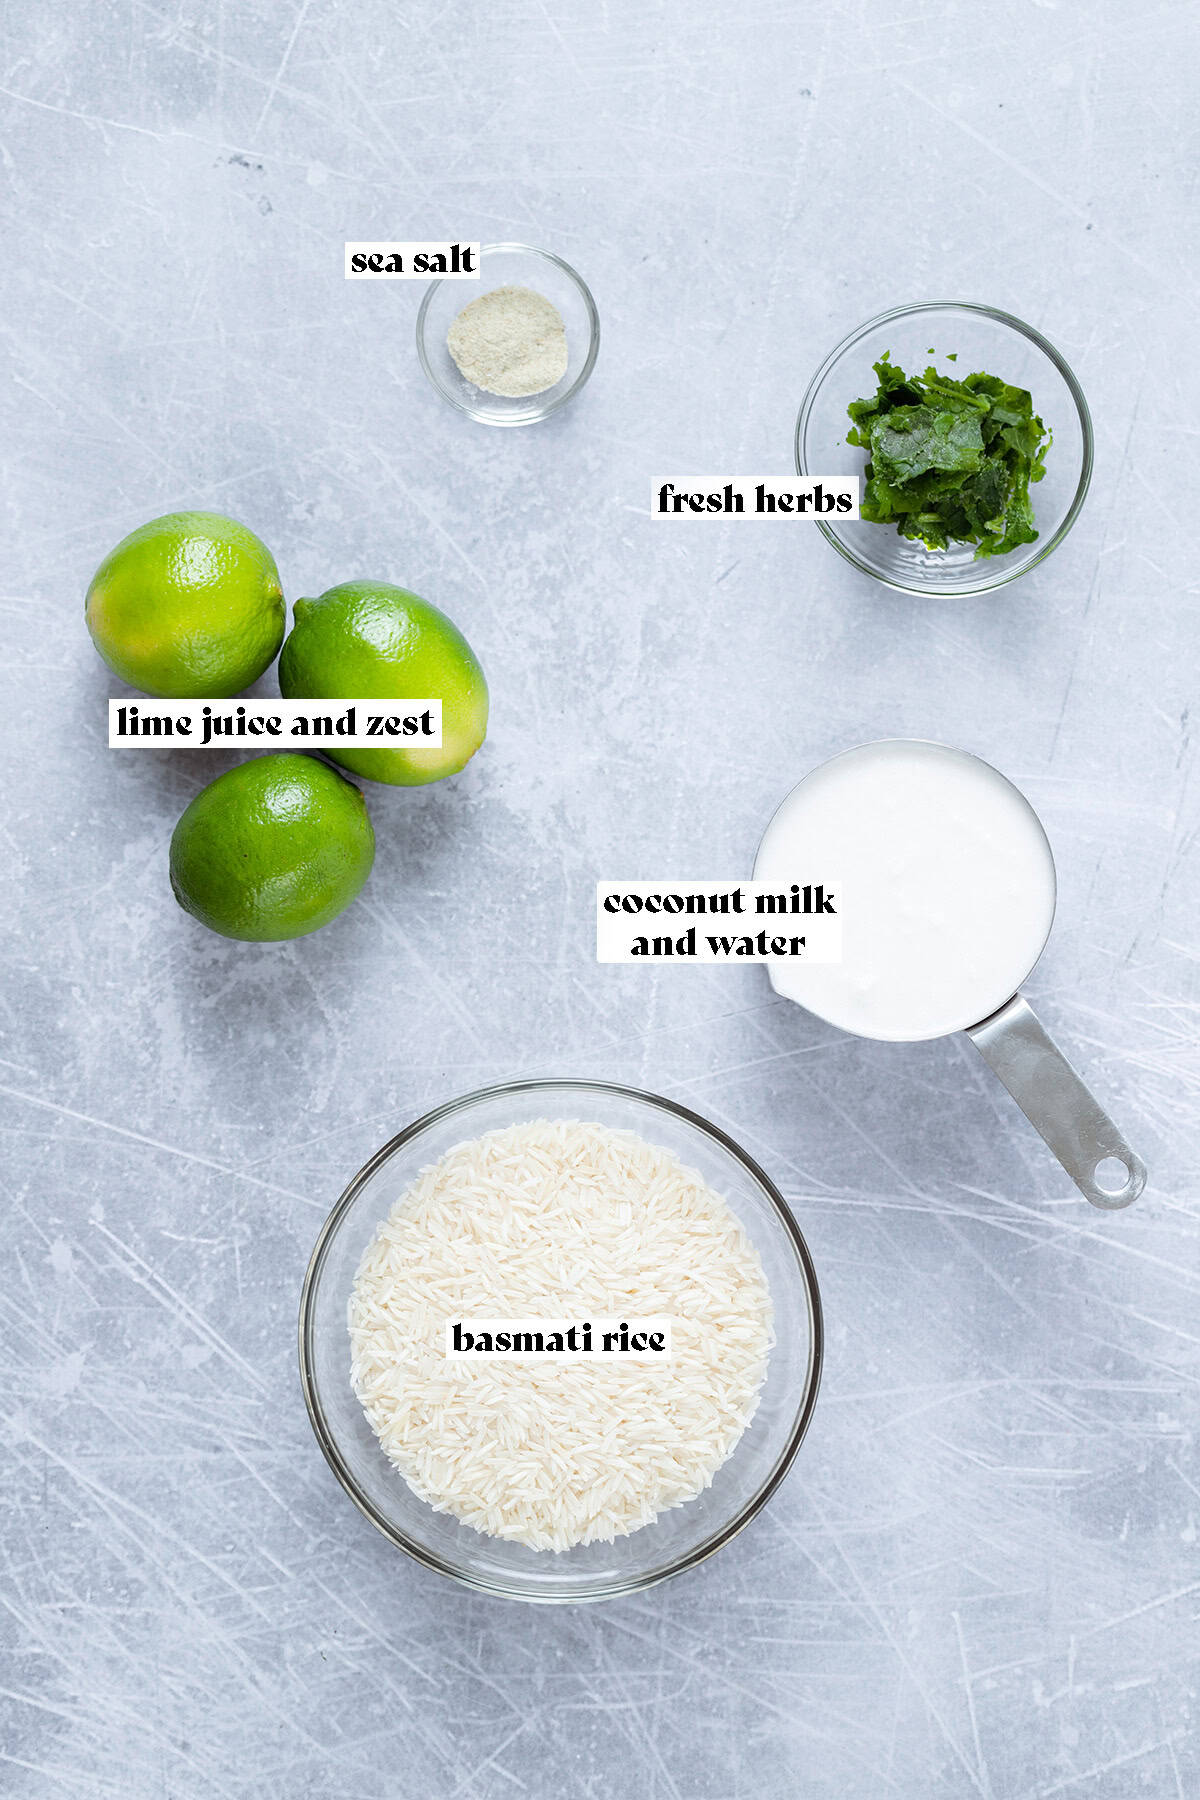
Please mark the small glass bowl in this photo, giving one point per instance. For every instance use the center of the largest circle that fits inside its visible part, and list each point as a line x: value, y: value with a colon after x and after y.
x: 984, y: 339
x: 681, y: 1537
x: 509, y: 265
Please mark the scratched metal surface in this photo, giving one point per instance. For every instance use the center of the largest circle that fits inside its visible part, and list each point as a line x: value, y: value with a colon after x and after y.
x: 981, y: 1578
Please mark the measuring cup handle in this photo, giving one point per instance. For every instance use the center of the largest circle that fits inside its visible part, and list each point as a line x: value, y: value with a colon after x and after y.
x: 1048, y: 1091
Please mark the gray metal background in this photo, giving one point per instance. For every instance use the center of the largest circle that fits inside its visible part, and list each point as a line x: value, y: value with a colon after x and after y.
x: 981, y: 1578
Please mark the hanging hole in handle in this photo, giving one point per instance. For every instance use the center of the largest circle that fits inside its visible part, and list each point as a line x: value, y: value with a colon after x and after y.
x: 1112, y: 1176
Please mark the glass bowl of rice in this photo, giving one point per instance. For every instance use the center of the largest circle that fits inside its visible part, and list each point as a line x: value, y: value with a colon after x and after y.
x: 574, y: 1173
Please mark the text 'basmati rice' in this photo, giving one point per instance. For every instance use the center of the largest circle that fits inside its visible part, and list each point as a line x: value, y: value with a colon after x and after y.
x: 559, y: 1220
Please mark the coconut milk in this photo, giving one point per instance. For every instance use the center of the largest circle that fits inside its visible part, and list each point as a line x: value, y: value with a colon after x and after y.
x: 946, y: 886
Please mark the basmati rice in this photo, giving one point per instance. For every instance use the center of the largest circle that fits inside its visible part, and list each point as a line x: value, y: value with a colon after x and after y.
x: 559, y: 1220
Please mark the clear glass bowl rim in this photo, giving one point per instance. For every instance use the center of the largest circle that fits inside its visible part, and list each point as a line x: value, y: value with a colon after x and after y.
x: 930, y: 590
x: 634, y: 1583
x: 542, y: 412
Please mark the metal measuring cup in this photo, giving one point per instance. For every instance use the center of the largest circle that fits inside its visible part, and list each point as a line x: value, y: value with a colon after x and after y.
x: 1010, y: 1038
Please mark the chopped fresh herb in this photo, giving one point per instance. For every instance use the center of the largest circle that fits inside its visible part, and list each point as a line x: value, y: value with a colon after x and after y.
x: 950, y: 462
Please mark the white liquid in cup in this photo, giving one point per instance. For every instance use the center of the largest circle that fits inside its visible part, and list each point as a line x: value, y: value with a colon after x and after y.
x: 943, y: 878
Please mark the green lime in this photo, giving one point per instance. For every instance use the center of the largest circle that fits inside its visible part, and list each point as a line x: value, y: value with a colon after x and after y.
x: 370, y: 640
x: 188, y: 607
x: 272, y: 849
